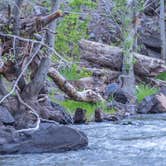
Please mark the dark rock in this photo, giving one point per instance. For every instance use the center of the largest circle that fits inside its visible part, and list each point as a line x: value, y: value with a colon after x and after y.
x: 153, y: 104
x: 64, y: 116
x: 5, y: 116
x: 163, y: 90
x: 147, y: 104
x: 122, y: 110
x: 121, y: 96
x: 100, y: 116
x: 152, y: 42
x: 80, y: 116
x: 49, y: 138
x: 114, y: 90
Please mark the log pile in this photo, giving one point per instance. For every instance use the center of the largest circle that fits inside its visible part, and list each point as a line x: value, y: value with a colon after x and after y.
x: 112, y: 57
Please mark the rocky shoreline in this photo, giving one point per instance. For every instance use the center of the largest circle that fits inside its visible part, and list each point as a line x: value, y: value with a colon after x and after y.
x: 52, y: 137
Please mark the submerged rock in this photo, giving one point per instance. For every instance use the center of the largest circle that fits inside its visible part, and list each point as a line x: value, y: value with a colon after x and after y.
x: 48, y: 138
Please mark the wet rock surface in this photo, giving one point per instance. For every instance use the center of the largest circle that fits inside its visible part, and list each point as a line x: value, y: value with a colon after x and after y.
x: 140, y: 140
x: 154, y: 103
x: 49, y: 138
x: 80, y: 116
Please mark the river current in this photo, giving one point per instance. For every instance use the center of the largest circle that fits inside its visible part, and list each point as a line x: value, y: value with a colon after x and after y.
x: 136, y: 141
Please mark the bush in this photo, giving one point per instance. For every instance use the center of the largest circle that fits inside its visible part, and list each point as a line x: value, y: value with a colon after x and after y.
x: 74, y: 72
x: 71, y: 29
x: 72, y: 105
x: 162, y: 76
x: 144, y: 91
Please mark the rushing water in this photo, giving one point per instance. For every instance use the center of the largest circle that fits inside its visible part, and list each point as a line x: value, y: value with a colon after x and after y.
x: 138, y: 141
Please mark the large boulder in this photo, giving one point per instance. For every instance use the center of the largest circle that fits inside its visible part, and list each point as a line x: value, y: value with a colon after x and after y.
x: 5, y: 116
x: 154, y: 103
x: 48, y: 138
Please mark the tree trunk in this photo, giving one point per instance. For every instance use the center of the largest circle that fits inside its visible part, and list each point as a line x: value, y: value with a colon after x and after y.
x: 162, y: 29
x: 111, y: 57
x: 128, y: 82
x: 34, y: 87
x: 65, y: 86
x: 16, y: 31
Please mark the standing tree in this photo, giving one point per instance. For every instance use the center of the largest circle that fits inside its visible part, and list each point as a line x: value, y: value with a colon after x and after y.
x: 162, y: 29
x: 129, y: 47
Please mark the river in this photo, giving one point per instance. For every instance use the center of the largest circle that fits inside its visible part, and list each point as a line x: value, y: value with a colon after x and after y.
x: 136, y: 141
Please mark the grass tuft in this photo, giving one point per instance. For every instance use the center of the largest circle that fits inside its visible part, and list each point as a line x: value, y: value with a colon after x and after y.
x: 72, y: 105
x: 162, y: 76
x: 144, y: 91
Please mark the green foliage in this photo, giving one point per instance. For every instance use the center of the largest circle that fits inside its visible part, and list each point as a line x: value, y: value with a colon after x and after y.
x: 71, y: 28
x: 69, y: 31
x: 72, y: 105
x: 76, y: 4
x: 74, y: 72
x: 144, y: 91
x: 162, y: 76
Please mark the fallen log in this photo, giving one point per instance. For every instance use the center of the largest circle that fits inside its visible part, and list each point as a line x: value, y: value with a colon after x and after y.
x: 111, y: 57
x: 65, y: 86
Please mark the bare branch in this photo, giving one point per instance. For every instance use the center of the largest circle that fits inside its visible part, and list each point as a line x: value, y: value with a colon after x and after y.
x: 21, y: 74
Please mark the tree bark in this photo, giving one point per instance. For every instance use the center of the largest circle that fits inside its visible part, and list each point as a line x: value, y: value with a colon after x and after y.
x: 128, y: 84
x: 34, y: 87
x: 111, y: 57
x: 65, y: 86
x: 16, y: 31
x: 162, y: 30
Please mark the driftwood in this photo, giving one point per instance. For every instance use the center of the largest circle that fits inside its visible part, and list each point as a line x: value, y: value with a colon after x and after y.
x: 111, y: 57
x: 64, y: 85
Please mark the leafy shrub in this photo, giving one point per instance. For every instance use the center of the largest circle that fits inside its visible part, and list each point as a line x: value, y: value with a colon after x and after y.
x: 72, y: 105
x: 144, y: 91
x: 71, y: 28
x: 76, y: 4
x: 69, y: 31
x: 74, y: 72
x: 162, y: 76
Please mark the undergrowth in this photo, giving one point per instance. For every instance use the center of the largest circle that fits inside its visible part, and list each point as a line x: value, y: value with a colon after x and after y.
x: 74, y: 72
x: 73, y: 27
x: 162, y: 76
x: 72, y: 105
x: 144, y: 91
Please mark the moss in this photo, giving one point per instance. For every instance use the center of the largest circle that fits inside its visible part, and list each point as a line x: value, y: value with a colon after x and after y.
x: 144, y: 91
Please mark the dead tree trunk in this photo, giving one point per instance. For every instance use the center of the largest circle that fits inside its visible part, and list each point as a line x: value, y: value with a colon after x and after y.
x: 65, y: 86
x: 111, y: 57
x: 128, y: 82
x: 34, y: 87
x: 16, y: 31
x: 162, y: 29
